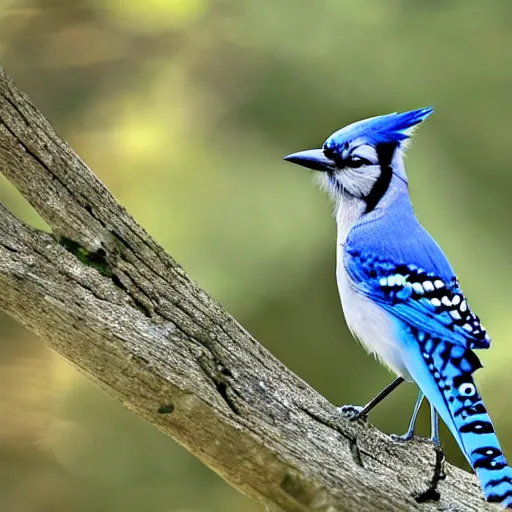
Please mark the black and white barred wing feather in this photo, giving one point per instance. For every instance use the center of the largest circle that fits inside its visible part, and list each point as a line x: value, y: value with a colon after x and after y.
x: 419, y: 297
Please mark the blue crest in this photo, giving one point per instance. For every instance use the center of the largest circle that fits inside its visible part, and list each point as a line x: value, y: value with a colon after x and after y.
x: 394, y: 127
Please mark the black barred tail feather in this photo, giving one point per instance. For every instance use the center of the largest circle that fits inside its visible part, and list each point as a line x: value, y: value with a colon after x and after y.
x: 444, y: 372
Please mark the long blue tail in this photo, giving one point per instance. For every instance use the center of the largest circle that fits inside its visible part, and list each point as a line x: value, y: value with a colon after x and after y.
x: 444, y: 372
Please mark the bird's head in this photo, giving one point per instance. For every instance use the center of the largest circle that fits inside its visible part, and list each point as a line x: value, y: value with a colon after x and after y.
x: 359, y: 160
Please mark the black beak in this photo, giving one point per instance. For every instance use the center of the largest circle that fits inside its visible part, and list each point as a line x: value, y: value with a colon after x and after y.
x: 312, y: 159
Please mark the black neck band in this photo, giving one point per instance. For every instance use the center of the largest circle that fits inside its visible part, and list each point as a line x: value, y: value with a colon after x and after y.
x: 385, y: 152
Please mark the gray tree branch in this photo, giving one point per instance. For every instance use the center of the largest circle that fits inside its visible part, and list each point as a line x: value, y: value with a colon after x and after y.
x: 104, y: 295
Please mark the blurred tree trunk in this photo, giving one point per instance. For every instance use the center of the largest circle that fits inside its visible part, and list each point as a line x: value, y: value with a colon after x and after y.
x: 103, y: 294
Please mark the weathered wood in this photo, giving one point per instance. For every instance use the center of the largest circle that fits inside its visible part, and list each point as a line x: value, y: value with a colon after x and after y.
x: 104, y: 295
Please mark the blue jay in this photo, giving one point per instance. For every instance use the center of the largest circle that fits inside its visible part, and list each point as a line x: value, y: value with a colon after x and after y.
x: 399, y: 294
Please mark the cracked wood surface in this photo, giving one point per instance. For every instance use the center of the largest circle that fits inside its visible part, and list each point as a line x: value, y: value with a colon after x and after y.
x: 104, y: 295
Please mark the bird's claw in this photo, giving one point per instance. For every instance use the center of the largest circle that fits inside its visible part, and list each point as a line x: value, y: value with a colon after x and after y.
x: 352, y: 412
x: 408, y: 436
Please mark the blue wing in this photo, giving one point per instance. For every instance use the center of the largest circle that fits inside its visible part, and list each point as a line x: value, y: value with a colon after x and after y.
x: 419, y: 298
x: 406, y: 272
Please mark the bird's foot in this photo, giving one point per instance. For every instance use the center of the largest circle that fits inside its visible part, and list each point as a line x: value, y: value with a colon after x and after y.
x: 403, y: 438
x: 439, y: 473
x: 352, y: 412
x: 432, y: 494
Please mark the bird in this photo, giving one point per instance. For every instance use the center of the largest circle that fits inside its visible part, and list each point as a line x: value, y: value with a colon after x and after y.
x: 400, y: 296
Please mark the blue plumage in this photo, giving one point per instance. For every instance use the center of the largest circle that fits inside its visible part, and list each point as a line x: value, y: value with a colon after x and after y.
x: 424, y: 299
x: 400, y: 295
x: 393, y: 127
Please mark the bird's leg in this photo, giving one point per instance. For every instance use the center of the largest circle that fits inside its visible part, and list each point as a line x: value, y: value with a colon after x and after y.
x: 432, y: 494
x: 355, y: 412
x: 412, y: 425
x: 439, y: 473
x: 434, y: 427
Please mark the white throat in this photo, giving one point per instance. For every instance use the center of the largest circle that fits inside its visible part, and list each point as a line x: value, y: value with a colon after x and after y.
x: 349, y: 210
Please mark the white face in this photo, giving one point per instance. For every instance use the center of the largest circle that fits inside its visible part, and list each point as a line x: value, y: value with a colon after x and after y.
x: 357, y: 171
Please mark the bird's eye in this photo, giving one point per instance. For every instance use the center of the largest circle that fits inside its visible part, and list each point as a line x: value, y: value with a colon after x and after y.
x: 356, y: 161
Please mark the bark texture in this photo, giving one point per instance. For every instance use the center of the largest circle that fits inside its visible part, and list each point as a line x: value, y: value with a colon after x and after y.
x: 104, y: 295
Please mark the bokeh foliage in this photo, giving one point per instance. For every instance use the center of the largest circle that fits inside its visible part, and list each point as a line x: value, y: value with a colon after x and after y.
x: 184, y: 108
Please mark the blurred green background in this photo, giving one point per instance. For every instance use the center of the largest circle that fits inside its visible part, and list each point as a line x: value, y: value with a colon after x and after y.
x: 184, y: 108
